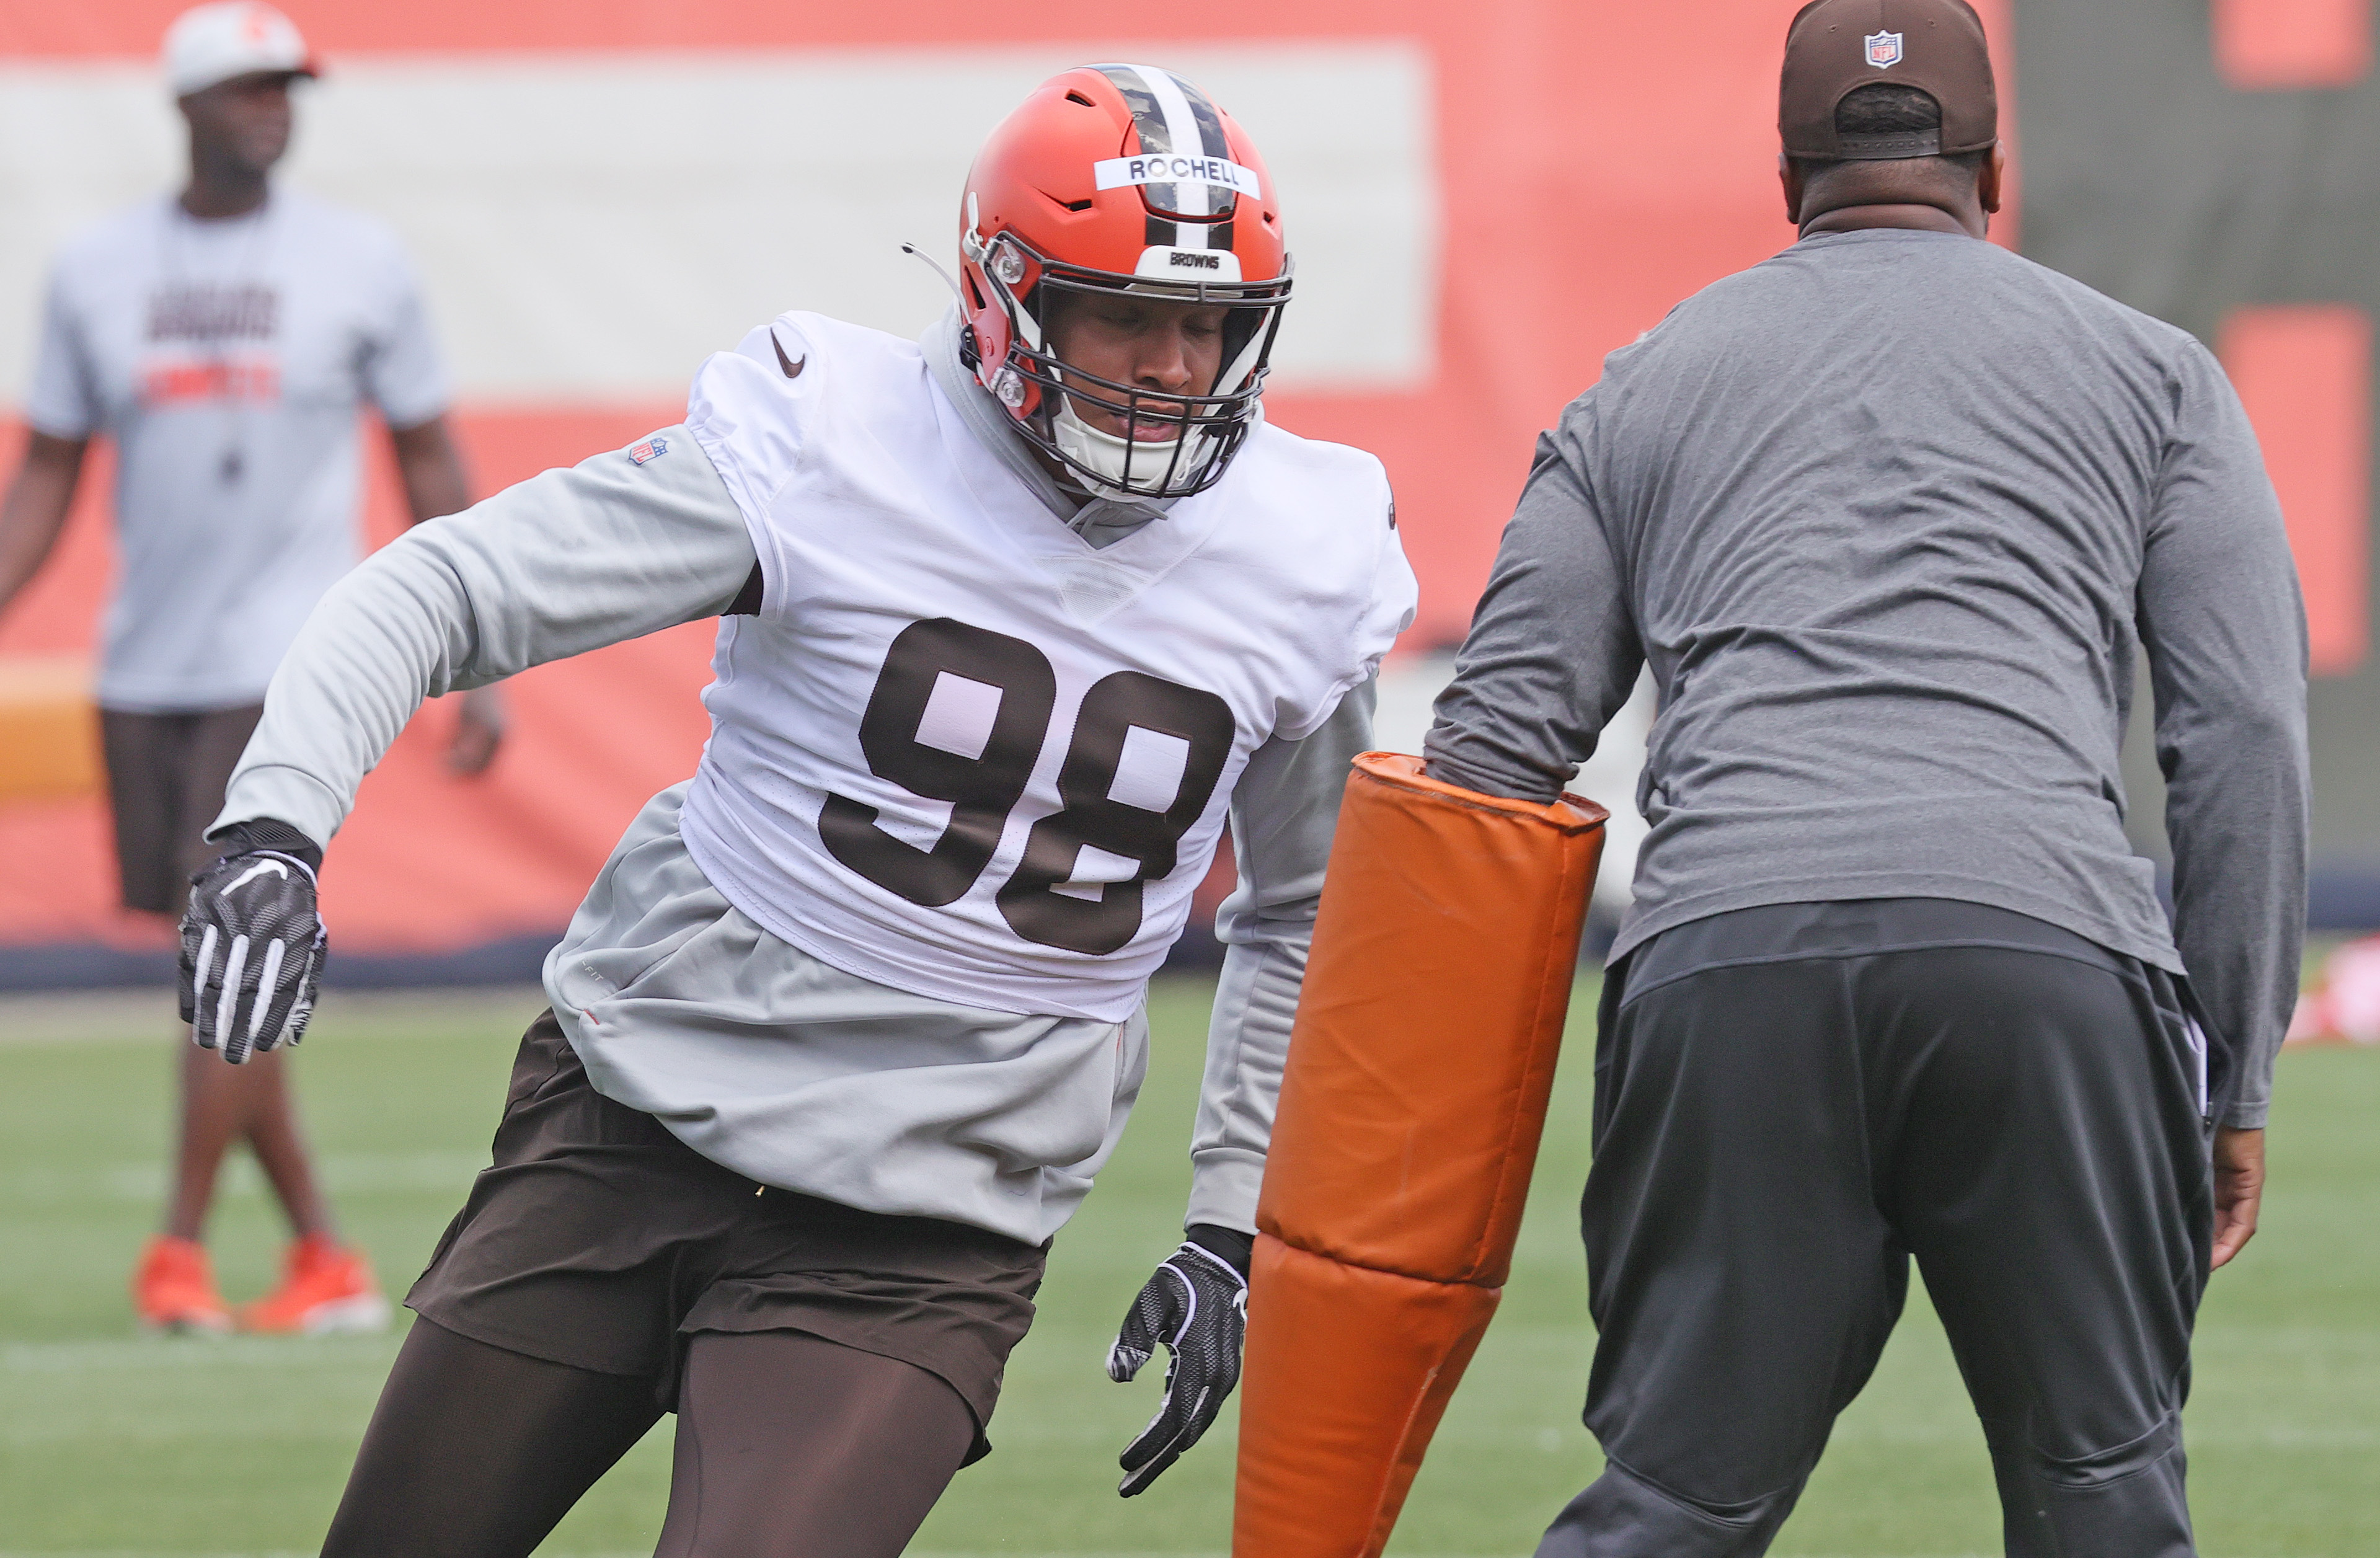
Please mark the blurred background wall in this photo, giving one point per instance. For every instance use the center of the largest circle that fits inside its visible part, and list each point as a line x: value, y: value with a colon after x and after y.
x: 1482, y: 199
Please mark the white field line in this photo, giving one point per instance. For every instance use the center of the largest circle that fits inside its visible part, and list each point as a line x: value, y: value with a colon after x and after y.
x: 146, y: 1016
x: 152, y: 1353
x: 148, y: 1354
x: 2276, y: 1436
x: 131, y: 1552
x: 347, y: 1174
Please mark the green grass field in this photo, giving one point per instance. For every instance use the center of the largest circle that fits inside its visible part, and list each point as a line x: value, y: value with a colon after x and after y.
x: 114, y: 1444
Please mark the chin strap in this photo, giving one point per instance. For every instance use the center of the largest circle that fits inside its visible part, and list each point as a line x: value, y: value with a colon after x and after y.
x: 1112, y: 457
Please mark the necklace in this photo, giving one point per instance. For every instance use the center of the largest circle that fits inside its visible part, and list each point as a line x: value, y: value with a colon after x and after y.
x: 214, y: 315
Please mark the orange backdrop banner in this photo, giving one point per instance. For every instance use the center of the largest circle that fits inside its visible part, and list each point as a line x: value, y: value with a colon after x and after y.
x: 1560, y: 235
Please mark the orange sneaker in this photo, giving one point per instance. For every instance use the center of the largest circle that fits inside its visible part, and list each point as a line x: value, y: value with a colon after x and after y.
x: 174, y: 1289
x: 324, y: 1289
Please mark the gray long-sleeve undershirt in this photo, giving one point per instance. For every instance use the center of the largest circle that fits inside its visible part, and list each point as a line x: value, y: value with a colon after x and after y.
x: 1889, y: 517
x: 610, y: 550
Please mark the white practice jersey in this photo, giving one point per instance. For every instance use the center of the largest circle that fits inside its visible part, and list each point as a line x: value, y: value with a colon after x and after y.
x: 229, y: 360
x: 959, y: 751
x: 781, y: 1062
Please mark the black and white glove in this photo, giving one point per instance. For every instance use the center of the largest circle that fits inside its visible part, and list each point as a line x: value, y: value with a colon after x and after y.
x: 252, y: 942
x: 1197, y: 1306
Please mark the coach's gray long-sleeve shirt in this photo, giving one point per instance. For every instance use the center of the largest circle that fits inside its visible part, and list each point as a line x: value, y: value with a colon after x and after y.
x: 1889, y: 516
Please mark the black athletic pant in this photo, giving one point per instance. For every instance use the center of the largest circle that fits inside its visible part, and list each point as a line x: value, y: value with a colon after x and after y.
x: 789, y: 1446
x: 1789, y: 1103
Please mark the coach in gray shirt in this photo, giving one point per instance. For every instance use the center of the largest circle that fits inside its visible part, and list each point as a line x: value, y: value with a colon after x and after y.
x: 1890, y: 517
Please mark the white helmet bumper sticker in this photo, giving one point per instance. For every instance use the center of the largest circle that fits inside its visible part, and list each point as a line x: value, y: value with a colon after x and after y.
x: 1175, y: 167
x: 1190, y: 264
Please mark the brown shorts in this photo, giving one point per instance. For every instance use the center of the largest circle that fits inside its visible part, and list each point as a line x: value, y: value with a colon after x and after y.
x: 165, y: 777
x: 599, y: 1240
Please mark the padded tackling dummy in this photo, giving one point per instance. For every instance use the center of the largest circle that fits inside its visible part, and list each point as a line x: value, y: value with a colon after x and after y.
x: 1410, y: 1113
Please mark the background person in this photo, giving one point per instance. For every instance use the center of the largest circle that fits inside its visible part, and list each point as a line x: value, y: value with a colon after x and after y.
x: 226, y: 339
x: 1890, y: 517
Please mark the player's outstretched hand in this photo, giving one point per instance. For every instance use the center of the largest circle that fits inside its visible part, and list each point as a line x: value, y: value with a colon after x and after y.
x: 252, y: 942
x: 1197, y: 1306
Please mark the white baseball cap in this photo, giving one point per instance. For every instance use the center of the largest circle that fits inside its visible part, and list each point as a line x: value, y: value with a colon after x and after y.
x: 212, y: 43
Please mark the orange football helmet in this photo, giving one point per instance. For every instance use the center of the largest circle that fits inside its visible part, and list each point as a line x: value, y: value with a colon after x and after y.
x: 1121, y: 177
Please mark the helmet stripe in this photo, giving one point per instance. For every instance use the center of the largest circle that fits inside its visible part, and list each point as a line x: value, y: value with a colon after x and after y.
x: 1182, y: 134
x: 1171, y: 115
x: 1147, y: 116
x: 1211, y: 138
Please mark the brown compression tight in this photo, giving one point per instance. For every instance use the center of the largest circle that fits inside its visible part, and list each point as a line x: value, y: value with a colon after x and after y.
x: 789, y: 1446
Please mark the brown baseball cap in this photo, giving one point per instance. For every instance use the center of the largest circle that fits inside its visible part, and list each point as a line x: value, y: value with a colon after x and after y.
x: 1836, y: 46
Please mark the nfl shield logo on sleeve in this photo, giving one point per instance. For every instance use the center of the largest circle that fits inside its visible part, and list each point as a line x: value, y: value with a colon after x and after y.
x: 652, y: 448
x: 1883, y: 49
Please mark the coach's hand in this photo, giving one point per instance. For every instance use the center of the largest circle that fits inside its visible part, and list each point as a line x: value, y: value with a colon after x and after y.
x: 252, y: 942
x: 1197, y: 1306
x: 479, y: 731
x: 2239, y: 1189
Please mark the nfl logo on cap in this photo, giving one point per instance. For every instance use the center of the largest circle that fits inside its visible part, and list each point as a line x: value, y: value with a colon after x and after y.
x: 1883, y: 49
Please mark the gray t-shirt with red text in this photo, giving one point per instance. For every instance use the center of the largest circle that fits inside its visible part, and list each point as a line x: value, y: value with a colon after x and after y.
x: 228, y: 361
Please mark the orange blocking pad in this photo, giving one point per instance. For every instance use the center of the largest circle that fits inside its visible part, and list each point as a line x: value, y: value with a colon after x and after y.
x: 1443, y: 957
x: 49, y: 729
x: 1410, y: 1114
x: 1346, y: 1376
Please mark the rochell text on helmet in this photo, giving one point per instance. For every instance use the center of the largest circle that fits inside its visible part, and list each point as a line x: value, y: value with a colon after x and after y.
x: 1122, y: 177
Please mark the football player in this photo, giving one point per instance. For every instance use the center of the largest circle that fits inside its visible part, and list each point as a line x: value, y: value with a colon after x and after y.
x: 1013, y: 616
